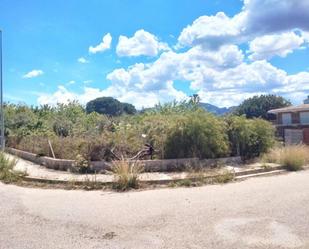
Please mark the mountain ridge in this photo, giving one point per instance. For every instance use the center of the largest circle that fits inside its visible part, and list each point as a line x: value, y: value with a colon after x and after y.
x: 216, y: 110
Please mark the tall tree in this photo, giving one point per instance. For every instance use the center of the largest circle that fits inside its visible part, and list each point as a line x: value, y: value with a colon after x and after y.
x: 258, y: 106
x: 109, y: 106
x: 128, y: 108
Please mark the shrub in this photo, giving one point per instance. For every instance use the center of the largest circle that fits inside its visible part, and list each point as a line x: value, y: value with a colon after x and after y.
x: 249, y: 138
x: 225, y: 177
x: 293, y: 157
x: 7, y: 173
x: 197, y: 134
x: 126, y: 174
x: 81, y: 164
x: 175, y: 130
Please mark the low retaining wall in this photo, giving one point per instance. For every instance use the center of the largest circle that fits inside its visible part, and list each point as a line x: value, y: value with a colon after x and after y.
x: 167, y: 165
x: 48, y: 162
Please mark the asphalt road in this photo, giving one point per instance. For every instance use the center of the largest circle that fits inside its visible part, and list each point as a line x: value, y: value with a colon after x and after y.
x: 268, y: 212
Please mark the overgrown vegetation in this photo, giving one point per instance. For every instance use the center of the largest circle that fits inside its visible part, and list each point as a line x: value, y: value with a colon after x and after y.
x: 126, y: 174
x: 293, y: 157
x: 197, y: 134
x: 177, y: 129
x: 249, y: 137
x: 81, y: 165
x: 7, y: 173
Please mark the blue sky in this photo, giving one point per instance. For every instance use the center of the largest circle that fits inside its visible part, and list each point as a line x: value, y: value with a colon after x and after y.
x: 154, y: 50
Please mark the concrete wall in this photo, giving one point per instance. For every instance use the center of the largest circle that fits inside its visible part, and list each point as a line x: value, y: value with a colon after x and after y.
x: 48, y: 162
x: 167, y: 165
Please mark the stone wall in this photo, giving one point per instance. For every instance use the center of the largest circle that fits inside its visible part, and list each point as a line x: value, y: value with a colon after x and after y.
x: 167, y: 165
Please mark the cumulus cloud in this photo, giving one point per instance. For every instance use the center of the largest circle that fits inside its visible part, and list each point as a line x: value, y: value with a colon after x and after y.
x: 142, y: 43
x: 82, y: 60
x: 203, y: 69
x: 171, y: 66
x: 305, y: 35
x: 139, y: 98
x: 232, y: 86
x: 246, y: 77
x: 210, y: 60
x: 257, y: 18
x: 265, y: 47
x: 211, y: 31
x: 104, y: 45
x: 269, y: 16
x: 32, y: 74
x: 144, y: 85
x: 62, y: 95
x: 230, y: 97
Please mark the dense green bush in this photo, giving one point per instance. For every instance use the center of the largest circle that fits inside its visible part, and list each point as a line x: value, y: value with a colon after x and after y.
x: 249, y: 138
x: 175, y: 130
x: 197, y: 134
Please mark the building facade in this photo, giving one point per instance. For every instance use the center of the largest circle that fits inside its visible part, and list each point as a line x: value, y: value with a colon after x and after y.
x: 292, y: 123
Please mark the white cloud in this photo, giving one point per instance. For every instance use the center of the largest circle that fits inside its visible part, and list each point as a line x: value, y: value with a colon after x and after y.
x: 170, y: 66
x: 82, y: 60
x: 265, y: 47
x: 142, y: 43
x: 221, y: 77
x: 232, y: 86
x: 211, y: 31
x: 269, y: 16
x: 139, y: 99
x: 33, y: 73
x: 257, y: 18
x: 62, y: 95
x: 71, y: 82
x: 305, y: 35
x: 229, y: 98
x: 104, y: 45
x: 210, y: 60
x: 145, y: 85
x: 245, y: 77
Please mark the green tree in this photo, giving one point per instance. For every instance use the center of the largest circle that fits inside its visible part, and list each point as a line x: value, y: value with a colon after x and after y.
x: 249, y: 138
x: 105, y: 105
x: 128, y: 108
x: 109, y: 106
x: 258, y: 106
x: 197, y: 134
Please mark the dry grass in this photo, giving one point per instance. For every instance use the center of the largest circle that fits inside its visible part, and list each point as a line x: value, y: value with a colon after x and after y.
x: 7, y: 173
x: 293, y: 157
x: 126, y: 174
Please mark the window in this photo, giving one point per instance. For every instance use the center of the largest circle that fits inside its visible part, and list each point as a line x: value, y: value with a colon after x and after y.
x: 286, y: 118
x: 304, y: 117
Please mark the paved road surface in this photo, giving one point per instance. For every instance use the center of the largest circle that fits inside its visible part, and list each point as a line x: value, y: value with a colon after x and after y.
x: 268, y: 212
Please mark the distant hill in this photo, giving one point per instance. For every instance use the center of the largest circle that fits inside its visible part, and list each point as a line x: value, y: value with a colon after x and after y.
x: 206, y: 106
x: 217, y: 110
